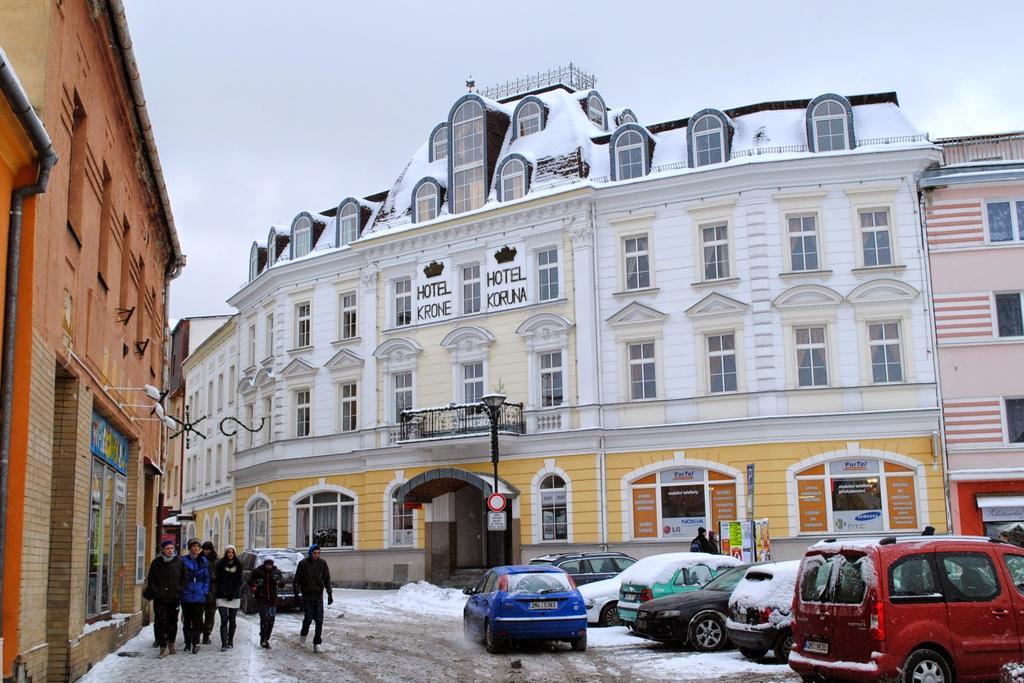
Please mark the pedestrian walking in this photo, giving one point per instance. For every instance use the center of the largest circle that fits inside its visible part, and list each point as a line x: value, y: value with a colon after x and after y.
x: 193, y: 599
x: 210, y: 611
x: 264, y: 582
x: 701, y: 544
x: 312, y: 578
x: 164, y: 585
x: 227, y: 577
x: 713, y: 540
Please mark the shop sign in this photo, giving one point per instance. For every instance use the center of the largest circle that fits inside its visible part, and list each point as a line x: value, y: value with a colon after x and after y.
x: 811, y: 497
x: 853, y: 466
x: 1002, y: 514
x: 682, y: 475
x: 902, y: 503
x: 645, y: 513
x: 108, y: 444
x: 723, y: 502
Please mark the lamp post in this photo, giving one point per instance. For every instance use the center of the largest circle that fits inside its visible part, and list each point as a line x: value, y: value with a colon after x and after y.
x: 493, y: 403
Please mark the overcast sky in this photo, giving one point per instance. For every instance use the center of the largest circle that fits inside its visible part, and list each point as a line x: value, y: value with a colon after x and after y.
x: 265, y: 109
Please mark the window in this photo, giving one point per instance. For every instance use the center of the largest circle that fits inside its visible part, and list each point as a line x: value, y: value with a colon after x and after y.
x: 440, y: 143
x: 402, y: 385
x: 218, y: 465
x: 401, y: 523
x: 1015, y: 420
x: 271, y: 248
x: 722, y: 362
x: 811, y: 365
x: 327, y: 519
x: 553, y: 511
x: 642, y: 383
x: 851, y: 586
x: 472, y: 382
x: 595, y: 111
x: 1008, y: 314
x: 108, y: 504
x: 857, y: 495
x: 349, y: 223
x: 348, y: 404
x: 252, y: 344
x: 707, y: 141
x: 547, y: 274
x: 529, y: 118
x: 638, y: 273
x: 829, y: 127
x: 913, y: 577
x: 1004, y: 223
x: 268, y: 335
x: 968, y: 577
x: 302, y: 325
x: 403, y: 302
x: 268, y: 412
x: 220, y: 391
x: 209, y: 397
x: 1015, y: 565
x: 513, y: 180
x: 627, y: 117
x: 302, y: 236
x: 209, y: 466
x: 874, y: 228
x: 551, y: 379
x: 302, y: 427
x: 715, y: 240
x: 254, y: 262
x: 629, y: 156
x: 426, y: 202
x: 468, y: 157
x: 471, y: 288
x: 231, y: 385
x: 884, y: 342
x: 347, y: 315
x: 672, y: 504
x: 250, y: 420
x: 803, y: 243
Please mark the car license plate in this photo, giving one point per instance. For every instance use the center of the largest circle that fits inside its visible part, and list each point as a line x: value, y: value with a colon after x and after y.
x: 629, y: 597
x: 547, y: 604
x: 816, y: 646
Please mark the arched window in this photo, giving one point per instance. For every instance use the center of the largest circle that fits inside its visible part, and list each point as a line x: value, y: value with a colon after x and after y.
x: 349, y: 223
x: 627, y: 117
x: 215, y: 534
x: 228, y: 538
x: 257, y: 524
x: 190, y: 533
x: 595, y: 110
x: 271, y: 248
x: 708, y: 141
x: 439, y: 143
x: 857, y: 494
x: 254, y: 262
x: 529, y: 118
x: 829, y: 121
x: 513, y: 180
x: 468, y: 156
x: 325, y: 518
x: 207, y: 531
x: 426, y: 202
x: 401, y: 523
x: 302, y: 237
x: 553, y: 511
x: 629, y: 156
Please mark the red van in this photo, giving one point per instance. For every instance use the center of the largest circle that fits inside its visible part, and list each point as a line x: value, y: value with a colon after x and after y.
x: 929, y: 608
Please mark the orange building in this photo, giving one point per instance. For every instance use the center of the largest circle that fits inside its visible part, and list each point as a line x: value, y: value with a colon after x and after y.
x: 85, y: 444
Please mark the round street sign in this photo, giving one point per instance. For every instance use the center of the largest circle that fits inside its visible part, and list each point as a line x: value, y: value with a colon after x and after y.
x: 496, y: 502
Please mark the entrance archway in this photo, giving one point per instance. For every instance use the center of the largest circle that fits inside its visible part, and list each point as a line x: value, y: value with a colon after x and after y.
x: 457, y: 544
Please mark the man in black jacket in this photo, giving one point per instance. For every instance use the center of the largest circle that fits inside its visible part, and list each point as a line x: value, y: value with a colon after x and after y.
x: 312, y: 578
x: 164, y: 584
x: 264, y: 582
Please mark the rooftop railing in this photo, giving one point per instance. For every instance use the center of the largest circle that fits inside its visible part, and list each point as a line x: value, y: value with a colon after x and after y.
x: 571, y: 76
x: 980, y: 148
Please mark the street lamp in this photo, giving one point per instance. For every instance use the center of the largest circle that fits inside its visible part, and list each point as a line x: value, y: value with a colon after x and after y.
x: 493, y: 403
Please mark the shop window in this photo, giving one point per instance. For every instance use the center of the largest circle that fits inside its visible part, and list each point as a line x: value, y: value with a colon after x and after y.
x: 857, y: 495
x: 673, y: 503
x: 108, y: 505
x: 327, y: 519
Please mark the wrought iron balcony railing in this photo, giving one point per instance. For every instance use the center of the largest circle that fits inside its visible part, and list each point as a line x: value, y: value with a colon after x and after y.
x: 459, y: 420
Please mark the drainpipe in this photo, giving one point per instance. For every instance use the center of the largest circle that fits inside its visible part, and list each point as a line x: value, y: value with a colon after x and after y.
x: 15, y: 95
x: 601, y: 454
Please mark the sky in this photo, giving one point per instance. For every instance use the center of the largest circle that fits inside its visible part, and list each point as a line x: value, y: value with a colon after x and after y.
x: 264, y: 109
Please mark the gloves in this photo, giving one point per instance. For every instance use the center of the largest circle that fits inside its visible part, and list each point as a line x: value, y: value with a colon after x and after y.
x: 330, y: 598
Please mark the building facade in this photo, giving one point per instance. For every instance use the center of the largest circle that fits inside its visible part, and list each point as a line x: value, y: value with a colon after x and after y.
x: 106, y: 248
x: 974, y: 209
x: 712, y: 318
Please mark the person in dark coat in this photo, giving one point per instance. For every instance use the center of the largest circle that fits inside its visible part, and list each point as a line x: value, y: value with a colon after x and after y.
x: 312, y: 578
x: 164, y: 585
x: 193, y: 599
x: 227, y: 578
x: 210, y: 611
x: 701, y: 543
x: 264, y: 582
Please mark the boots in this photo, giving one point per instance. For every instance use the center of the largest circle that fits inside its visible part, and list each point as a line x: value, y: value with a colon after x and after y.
x: 163, y: 653
x: 171, y: 649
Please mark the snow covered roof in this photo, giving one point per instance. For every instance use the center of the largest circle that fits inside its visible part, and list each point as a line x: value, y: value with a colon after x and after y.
x: 660, y: 568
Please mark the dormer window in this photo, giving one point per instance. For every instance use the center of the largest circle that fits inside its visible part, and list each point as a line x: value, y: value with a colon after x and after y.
x: 302, y: 235
x: 271, y: 248
x: 625, y: 116
x: 439, y: 143
x: 349, y: 224
x: 529, y: 119
x: 254, y: 262
x: 468, y: 157
x: 829, y: 121
x: 595, y: 111
x: 426, y: 201
x: 708, y: 141
x: 513, y: 180
x: 629, y: 156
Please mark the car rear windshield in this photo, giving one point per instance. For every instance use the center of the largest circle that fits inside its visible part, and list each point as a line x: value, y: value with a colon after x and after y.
x: 538, y: 582
x: 835, y: 578
x: 539, y: 562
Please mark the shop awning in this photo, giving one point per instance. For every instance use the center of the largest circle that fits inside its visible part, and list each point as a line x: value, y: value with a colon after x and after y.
x: 1000, y: 501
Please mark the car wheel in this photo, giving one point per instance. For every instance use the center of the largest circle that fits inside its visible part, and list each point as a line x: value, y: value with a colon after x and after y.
x: 753, y: 652
x: 491, y: 641
x: 783, y: 646
x: 610, y: 615
x: 926, y: 666
x: 579, y: 644
x: 707, y: 633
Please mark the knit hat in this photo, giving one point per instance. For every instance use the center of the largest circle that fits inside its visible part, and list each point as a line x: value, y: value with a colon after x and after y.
x: 208, y: 545
x: 231, y: 548
x: 192, y: 542
x: 166, y: 542
x: 315, y: 546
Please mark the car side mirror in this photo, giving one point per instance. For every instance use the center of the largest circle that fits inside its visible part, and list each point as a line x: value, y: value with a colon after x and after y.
x: 468, y: 591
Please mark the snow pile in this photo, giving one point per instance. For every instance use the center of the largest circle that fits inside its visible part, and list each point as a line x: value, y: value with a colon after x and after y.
x: 1012, y: 673
x: 766, y: 586
x: 422, y: 598
x: 598, y: 590
x: 660, y: 568
x: 712, y: 666
x: 115, y: 620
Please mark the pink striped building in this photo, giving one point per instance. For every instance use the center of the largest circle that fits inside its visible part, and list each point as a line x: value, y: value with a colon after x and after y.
x: 973, y: 208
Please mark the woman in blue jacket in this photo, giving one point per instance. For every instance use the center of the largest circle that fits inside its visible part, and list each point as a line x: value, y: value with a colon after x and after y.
x: 193, y: 598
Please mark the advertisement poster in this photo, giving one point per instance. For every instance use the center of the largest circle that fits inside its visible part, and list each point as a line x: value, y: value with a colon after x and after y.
x: 902, y: 503
x: 682, y: 511
x: 645, y: 513
x: 857, y: 504
x: 811, y: 494
x: 747, y: 540
x: 723, y: 503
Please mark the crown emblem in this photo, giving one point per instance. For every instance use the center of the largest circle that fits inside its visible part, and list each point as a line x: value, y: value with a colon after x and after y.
x: 505, y: 254
x: 434, y: 269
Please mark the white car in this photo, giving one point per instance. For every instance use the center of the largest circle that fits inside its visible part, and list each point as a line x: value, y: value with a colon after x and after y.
x: 601, y: 599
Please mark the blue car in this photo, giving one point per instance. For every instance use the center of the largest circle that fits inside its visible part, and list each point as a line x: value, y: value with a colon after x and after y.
x: 525, y: 603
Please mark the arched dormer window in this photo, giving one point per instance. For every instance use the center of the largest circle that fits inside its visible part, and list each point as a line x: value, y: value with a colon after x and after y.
x: 272, y: 248
x: 348, y: 223
x: 630, y: 149
x: 708, y: 138
x: 596, y: 110
x: 302, y: 237
x: 830, y: 124
x: 468, y: 187
x: 529, y: 117
x: 254, y: 261
x: 439, y: 142
x: 513, y: 178
x: 627, y: 116
x: 426, y: 200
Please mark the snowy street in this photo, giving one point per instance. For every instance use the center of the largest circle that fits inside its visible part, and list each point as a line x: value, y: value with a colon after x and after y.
x: 416, y: 634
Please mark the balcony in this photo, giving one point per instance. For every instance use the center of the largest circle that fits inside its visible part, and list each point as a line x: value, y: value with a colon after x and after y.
x: 455, y: 420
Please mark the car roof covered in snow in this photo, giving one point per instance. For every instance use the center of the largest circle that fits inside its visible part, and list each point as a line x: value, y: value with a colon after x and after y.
x: 660, y: 568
